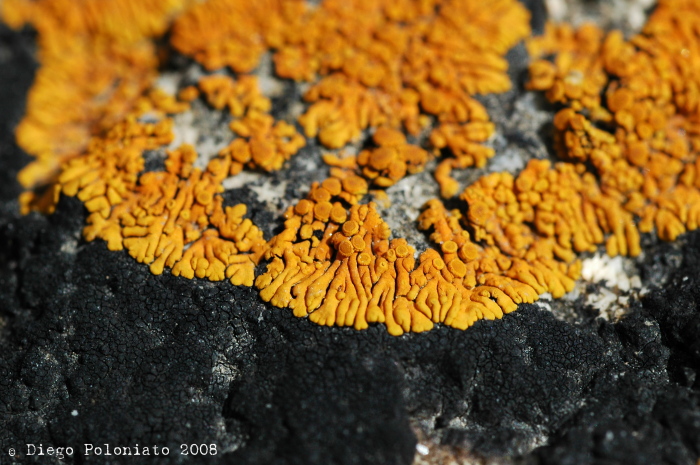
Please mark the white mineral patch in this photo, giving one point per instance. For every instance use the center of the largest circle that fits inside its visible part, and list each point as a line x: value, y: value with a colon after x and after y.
x: 263, y: 188
x: 296, y: 109
x: 309, y: 164
x: 612, y: 300
x: 184, y: 130
x: 169, y: 82
x: 613, y: 270
x: 545, y: 301
x: 269, y: 193
x: 556, y: 9
x: 188, y: 130
x: 224, y: 371
x: 610, y: 306
x: 208, y: 149
x: 407, y: 198
x: 422, y: 449
x: 415, y: 190
x: 269, y: 85
x: 70, y: 246
x: 628, y: 15
x: 527, y: 118
x: 242, y: 179
x: 509, y: 159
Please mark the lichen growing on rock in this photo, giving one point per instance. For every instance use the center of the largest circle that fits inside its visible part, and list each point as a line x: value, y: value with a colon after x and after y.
x: 626, y: 129
x: 97, y: 59
x: 632, y: 113
x: 388, y: 63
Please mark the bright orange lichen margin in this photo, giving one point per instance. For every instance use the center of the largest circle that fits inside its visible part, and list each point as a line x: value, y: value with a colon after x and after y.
x: 176, y: 217
x: 355, y: 274
x: 630, y: 111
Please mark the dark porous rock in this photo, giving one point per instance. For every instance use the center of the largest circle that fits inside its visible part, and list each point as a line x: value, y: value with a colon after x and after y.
x: 643, y: 406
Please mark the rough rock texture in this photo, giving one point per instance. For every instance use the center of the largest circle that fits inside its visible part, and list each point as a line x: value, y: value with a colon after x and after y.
x: 97, y: 350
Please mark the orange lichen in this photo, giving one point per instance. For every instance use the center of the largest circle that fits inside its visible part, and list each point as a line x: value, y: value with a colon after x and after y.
x: 628, y: 130
x: 353, y: 274
x: 345, y: 278
x: 561, y: 210
x: 519, y: 233
x: 96, y: 61
x: 172, y: 218
x: 392, y: 159
x: 220, y: 33
x: 238, y: 96
x: 464, y: 141
x: 396, y: 62
x: 518, y: 239
x: 176, y: 218
x: 576, y: 77
x: 387, y: 63
x: 262, y: 142
x: 644, y: 149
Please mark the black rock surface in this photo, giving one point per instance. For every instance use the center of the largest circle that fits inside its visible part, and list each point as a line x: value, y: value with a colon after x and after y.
x: 96, y: 350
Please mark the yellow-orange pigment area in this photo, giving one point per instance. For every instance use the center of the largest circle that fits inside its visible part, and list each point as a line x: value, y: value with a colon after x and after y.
x: 176, y: 217
x: 394, y: 63
x: 626, y: 130
x: 632, y: 112
x: 97, y: 59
